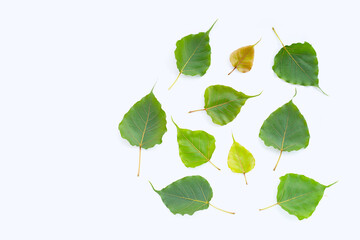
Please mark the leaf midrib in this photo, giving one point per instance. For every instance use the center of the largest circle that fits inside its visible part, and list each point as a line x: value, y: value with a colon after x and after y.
x: 296, y: 197
x: 146, y: 123
x: 297, y: 63
x: 242, y: 58
x: 221, y: 104
x: 284, y: 136
x: 197, y: 47
x: 186, y: 198
x: 195, y: 147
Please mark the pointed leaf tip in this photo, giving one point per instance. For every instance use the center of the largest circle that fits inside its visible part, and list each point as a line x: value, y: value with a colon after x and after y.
x: 153, y: 87
x: 174, y: 122
x: 294, y: 94
x: 257, y: 42
x: 208, y: 31
x: 153, y: 187
x: 331, y: 184
x: 256, y: 94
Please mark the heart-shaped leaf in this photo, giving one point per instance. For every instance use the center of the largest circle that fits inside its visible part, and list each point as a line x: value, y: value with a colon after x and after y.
x: 223, y: 103
x: 195, y: 147
x: 297, y: 64
x: 144, y: 124
x: 285, y: 129
x: 242, y: 59
x: 193, y: 54
x: 240, y: 160
x: 187, y: 195
x: 299, y: 195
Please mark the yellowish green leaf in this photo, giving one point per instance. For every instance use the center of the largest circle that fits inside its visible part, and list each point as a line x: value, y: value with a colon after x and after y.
x: 240, y: 160
x: 242, y: 59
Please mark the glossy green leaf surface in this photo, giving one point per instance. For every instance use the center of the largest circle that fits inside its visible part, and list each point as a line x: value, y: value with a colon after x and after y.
x: 299, y: 195
x: 297, y: 64
x: 285, y: 129
x: 195, y: 147
x: 240, y: 160
x: 187, y: 195
x: 193, y: 54
x: 223, y: 103
x: 144, y: 124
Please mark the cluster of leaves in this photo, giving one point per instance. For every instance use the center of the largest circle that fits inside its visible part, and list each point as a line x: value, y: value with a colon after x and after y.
x: 285, y: 129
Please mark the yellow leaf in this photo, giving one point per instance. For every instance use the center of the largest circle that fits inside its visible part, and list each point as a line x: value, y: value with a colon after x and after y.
x: 242, y: 59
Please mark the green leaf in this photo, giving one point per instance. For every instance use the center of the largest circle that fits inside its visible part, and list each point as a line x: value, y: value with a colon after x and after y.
x: 195, y: 147
x: 144, y: 124
x: 240, y: 160
x: 223, y: 103
x: 193, y: 54
x: 285, y: 129
x: 299, y: 195
x: 242, y: 59
x: 297, y: 64
x: 187, y: 195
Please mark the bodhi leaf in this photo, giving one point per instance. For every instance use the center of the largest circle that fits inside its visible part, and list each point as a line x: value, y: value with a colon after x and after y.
x: 187, y: 195
x: 193, y: 54
x: 242, y: 59
x: 297, y: 64
x: 144, y: 124
x: 299, y: 195
x: 285, y: 129
x: 223, y: 103
x: 240, y: 160
x: 195, y: 147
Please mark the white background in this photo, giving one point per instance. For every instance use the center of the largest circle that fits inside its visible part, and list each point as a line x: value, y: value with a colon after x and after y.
x: 70, y: 70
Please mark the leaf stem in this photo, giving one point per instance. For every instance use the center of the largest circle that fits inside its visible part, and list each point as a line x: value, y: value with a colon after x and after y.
x: 262, y: 209
x: 138, y: 174
x: 278, y: 159
x: 232, y: 70
x: 245, y: 179
x: 175, y: 80
x: 221, y: 209
x: 214, y: 165
x: 278, y: 37
x: 204, y: 109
